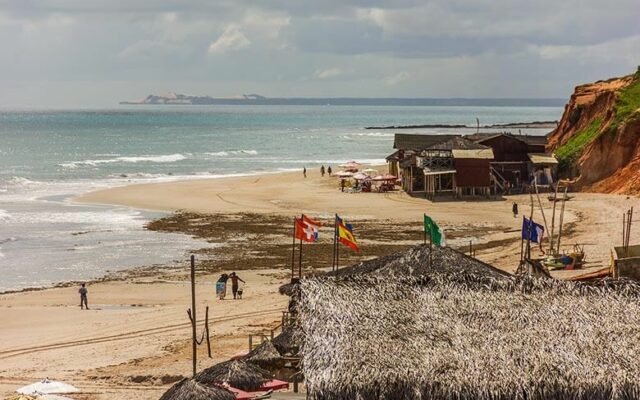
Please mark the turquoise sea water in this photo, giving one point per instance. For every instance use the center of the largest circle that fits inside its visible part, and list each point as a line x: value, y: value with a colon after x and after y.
x: 46, y: 157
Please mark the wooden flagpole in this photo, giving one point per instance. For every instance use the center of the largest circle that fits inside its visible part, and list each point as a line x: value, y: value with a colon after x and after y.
x: 530, y: 226
x: 337, y: 245
x: 300, y: 253
x: 293, y: 249
x: 424, y: 228
x: 335, y: 230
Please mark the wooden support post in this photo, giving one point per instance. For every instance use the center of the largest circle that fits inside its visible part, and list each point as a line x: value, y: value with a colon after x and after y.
x: 564, y: 200
x: 206, y: 327
x: 193, y: 313
x: 553, y: 217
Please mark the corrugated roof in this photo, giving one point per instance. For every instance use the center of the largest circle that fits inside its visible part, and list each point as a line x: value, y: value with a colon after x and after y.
x: 542, y: 158
x: 528, y: 139
x: 486, y: 154
x: 407, y: 141
x: 458, y: 143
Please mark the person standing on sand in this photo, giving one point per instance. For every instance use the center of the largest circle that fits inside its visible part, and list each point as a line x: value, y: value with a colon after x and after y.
x: 514, y: 209
x: 83, y: 297
x: 329, y: 170
x: 304, y: 171
x: 221, y: 286
x: 322, y: 170
x: 234, y: 284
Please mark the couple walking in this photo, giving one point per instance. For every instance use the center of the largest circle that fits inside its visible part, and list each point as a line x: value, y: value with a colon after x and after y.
x: 221, y: 286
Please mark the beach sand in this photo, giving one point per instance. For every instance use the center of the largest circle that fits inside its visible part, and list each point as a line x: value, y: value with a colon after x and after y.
x: 136, y: 339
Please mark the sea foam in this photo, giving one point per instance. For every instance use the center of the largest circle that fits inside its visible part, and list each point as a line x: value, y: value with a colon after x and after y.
x: 233, y: 152
x: 167, y: 158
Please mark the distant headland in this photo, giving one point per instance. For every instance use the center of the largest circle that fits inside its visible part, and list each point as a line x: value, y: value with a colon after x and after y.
x: 256, y: 99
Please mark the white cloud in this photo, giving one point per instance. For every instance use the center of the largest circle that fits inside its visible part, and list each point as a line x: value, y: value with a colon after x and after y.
x: 231, y: 39
x: 327, y: 73
x: 397, y: 78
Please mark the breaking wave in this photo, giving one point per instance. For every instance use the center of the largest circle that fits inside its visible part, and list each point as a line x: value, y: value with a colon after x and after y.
x: 233, y: 152
x: 167, y: 158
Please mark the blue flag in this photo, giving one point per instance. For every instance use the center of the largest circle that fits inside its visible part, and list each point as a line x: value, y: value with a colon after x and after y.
x: 532, y: 231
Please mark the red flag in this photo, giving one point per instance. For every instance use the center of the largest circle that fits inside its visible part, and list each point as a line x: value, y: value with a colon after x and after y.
x: 306, y: 231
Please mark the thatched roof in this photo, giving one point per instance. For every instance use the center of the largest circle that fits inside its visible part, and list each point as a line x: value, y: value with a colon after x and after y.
x: 288, y: 341
x: 370, y: 337
x: 189, y: 389
x: 415, y: 262
x: 265, y: 355
x: 237, y: 373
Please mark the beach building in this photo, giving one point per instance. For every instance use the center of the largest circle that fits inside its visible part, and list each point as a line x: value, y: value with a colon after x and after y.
x: 467, y: 335
x: 470, y: 165
x: 518, y: 158
x: 434, y: 165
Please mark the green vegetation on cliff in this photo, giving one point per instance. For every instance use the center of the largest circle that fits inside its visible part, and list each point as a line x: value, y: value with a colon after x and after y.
x: 628, y: 102
x: 569, y: 152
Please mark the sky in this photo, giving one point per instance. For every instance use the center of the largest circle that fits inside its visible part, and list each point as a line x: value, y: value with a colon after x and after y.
x: 98, y: 52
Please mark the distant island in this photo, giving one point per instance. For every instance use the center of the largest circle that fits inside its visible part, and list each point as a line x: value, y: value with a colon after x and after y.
x: 256, y: 99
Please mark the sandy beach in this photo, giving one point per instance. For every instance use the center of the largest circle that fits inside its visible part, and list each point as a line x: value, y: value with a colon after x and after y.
x: 135, y: 341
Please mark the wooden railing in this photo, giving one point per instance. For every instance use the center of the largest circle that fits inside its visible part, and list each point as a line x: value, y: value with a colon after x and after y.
x: 256, y: 339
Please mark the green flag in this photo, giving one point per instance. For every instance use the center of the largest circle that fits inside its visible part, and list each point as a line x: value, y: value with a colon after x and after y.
x: 433, y: 230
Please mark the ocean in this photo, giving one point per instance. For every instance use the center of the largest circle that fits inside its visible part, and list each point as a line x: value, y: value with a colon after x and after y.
x: 49, y: 156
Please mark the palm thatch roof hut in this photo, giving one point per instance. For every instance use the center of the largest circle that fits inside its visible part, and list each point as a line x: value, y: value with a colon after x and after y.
x: 416, y: 262
x: 288, y: 341
x: 189, y: 389
x: 237, y: 373
x: 370, y: 337
x: 265, y: 356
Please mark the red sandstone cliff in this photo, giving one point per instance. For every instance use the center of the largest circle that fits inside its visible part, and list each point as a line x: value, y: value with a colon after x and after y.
x: 598, y: 138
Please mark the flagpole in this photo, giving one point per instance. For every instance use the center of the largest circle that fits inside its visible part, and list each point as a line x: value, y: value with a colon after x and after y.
x: 333, y: 258
x: 337, y: 246
x: 431, y: 247
x: 300, y: 255
x: 293, y: 249
x: 424, y: 228
x: 530, y: 226
x: 564, y: 199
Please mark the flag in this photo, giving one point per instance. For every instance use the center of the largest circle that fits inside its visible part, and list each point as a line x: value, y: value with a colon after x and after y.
x: 345, y: 235
x: 532, y: 231
x: 306, y: 229
x: 434, y: 231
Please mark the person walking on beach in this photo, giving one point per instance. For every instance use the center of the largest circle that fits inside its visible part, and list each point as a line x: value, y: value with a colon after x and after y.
x: 329, y: 170
x: 83, y: 297
x: 221, y: 286
x: 304, y: 171
x: 234, y: 284
x: 514, y: 209
x: 322, y: 170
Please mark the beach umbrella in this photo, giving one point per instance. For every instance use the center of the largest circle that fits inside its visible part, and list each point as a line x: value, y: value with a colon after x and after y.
x: 189, y: 389
x: 48, y: 386
x: 266, y: 356
x: 360, y: 176
x: 370, y: 171
x: 385, y: 178
x: 344, y: 174
x: 236, y: 373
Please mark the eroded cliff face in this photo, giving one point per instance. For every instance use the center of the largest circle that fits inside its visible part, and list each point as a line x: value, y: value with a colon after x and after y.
x: 598, y: 139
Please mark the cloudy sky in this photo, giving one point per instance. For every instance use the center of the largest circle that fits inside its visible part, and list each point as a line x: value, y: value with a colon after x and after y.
x: 97, y: 52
